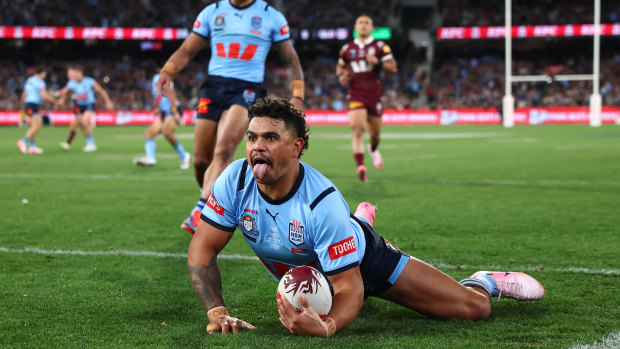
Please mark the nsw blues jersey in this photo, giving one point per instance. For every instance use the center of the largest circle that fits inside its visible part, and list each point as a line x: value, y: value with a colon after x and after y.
x: 311, y: 225
x: 162, y: 102
x: 240, y: 37
x: 33, y: 87
x: 83, y: 91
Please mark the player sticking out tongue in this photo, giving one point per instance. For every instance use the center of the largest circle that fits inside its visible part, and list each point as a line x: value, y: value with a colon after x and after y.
x: 260, y: 169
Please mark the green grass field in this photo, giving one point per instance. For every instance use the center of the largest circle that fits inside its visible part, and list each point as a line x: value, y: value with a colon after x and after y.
x: 95, y: 256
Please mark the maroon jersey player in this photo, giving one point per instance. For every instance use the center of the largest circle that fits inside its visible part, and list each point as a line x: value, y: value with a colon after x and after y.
x: 359, y: 65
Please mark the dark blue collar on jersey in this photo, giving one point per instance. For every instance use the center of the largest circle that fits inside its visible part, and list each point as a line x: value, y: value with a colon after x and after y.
x: 290, y: 194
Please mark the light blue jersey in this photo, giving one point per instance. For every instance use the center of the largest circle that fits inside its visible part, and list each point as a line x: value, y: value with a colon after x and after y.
x: 311, y: 225
x: 162, y: 101
x: 83, y: 91
x: 240, y: 37
x: 33, y: 87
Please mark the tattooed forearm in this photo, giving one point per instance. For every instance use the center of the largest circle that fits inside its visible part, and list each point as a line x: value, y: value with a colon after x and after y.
x: 207, y: 282
x: 290, y: 60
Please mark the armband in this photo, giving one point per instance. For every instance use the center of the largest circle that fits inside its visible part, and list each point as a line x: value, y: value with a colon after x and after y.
x: 331, y: 326
x: 170, y: 68
x: 298, y: 89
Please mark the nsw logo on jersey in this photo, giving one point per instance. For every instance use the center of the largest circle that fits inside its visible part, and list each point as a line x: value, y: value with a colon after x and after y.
x: 342, y: 248
x: 296, y: 233
x: 218, y: 24
x: 211, y: 202
x: 256, y: 22
x: 248, y: 225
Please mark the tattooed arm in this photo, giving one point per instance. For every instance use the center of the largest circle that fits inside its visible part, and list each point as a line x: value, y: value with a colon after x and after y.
x: 290, y: 59
x: 207, y: 280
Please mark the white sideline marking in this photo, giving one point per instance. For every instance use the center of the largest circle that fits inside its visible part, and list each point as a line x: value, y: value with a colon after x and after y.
x: 241, y: 257
x: 181, y: 176
x: 114, y: 253
x: 112, y: 176
x: 347, y: 135
x: 460, y: 135
x: 611, y: 341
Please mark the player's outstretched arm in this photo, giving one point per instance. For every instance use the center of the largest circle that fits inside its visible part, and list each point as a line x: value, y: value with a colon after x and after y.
x: 63, y: 93
x: 390, y: 66
x: 103, y: 93
x: 290, y: 60
x: 172, y: 97
x: 207, y: 280
x: 346, y: 304
x: 48, y: 97
x: 179, y: 59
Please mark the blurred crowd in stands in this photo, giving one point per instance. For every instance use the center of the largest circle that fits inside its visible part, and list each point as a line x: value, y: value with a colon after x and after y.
x: 466, y: 13
x: 449, y: 81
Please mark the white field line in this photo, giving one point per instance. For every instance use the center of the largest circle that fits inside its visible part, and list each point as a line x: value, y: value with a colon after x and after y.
x: 140, y: 177
x: 611, y: 341
x: 347, y: 135
x: 440, y: 265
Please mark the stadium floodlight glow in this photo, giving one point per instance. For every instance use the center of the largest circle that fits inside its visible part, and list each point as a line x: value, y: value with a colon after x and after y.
x: 379, y: 33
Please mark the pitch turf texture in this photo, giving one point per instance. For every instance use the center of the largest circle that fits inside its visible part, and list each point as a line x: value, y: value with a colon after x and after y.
x: 541, y: 199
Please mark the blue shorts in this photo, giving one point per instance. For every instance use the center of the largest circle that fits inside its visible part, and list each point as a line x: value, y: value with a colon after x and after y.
x: 81, y: 108
x: 31, y: 109
x: 218, y: 94
x: 382, y: 263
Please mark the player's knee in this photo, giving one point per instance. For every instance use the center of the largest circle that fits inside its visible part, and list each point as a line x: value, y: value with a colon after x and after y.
x: 201, y: 162
x: 225, y: 151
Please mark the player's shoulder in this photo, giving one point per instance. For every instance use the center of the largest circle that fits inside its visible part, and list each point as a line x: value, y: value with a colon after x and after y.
x: 236, y: 174
x: 317, y: 188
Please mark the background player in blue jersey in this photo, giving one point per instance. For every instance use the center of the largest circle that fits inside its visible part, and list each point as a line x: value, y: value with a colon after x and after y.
x: 168, y: 116
x: 241, y: 33
x: 290, y: 214
x: 82, y: 88
x: 34, y: 94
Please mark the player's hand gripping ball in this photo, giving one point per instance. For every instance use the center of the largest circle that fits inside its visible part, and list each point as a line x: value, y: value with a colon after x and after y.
x: 312, y: 284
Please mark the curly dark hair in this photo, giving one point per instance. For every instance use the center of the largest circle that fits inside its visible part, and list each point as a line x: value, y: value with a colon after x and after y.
x: 282, y: 109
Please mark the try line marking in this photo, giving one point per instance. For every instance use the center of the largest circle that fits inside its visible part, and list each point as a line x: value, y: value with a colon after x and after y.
x: 611, y: 341
x: 439, y: 265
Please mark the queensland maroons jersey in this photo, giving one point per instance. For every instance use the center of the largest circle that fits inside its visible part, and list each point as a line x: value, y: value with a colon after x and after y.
x: 240, y: 37
x: 365, y: 78
x: 83, y: 91
x: 32, y: 88
x: 162, y: 101
x: 311, y: 225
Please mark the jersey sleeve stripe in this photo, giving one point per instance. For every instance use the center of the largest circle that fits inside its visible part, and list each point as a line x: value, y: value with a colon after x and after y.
x: 321, y: 197
x: 386, y: 57
x: 216, y: 224
x: 202, y: 36
x: 279, y: 41
x: 341, y: 269
x: 241, y: 183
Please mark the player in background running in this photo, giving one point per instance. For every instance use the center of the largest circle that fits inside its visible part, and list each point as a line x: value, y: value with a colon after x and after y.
x: 168, y: 115
x: 359, y: 65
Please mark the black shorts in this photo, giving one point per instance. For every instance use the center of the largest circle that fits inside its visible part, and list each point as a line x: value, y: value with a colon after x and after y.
x: 81, y: 108
x: 168, y: 113
x: 31, y: 109
x: 382, y: 261
x: 218, y: 94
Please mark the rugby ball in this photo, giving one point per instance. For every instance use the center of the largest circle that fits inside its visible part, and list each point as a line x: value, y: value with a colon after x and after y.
x: 312, y: 284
